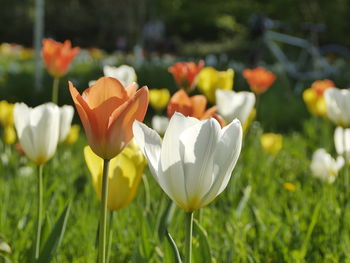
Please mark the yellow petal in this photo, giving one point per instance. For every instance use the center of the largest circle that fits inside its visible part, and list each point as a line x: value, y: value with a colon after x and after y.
x: 271, y: 143
x: 159, y: 98
x: 73, y: 134
x: 9, y: 135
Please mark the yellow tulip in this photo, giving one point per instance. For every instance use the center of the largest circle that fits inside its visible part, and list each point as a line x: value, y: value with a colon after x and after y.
x: 73, y: 134
x: 159, y: 98
x: 271, y: 143
x: 315, y: 104
x: 249, y: 121
x: 209, y: 80
x: 124, y: 175
x: 6, y: 113
x: 289, y: 187
x: 9, y: 134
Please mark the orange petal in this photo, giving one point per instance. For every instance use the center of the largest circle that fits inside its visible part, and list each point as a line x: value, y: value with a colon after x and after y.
x: 131, y: 89
x: 180, y: 102
x: 120, y: 126
x: 199, y: 102
x: 104, y: 89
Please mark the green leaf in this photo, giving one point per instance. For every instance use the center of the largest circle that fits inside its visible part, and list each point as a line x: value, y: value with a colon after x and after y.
x: 146, y: 247
x: 200, y: 244
x: 165, y: 219
x: 171, y: 252
x: 55, y: 238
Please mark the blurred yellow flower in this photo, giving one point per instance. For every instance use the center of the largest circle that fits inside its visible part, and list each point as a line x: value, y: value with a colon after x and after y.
x: 124, y: 175
x: 314, y: 99
x: 249, y: 121
x: 9, y: 134
x: 209, y: 80
x: 159, y: 98
x: 289, y: 187
x: 73, y: 134
x: 271, y: 142
x: 6, y: 113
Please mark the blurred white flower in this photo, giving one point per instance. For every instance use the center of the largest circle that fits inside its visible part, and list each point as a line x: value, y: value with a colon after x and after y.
x: 160, y: 124
x: 338, y: 106
x: 233, y: 105
x: 342, y: 142
x: 124, y: 73
x: 66, y: 117
x: 324, y: 167
x: 194, y: 163
x: 38, y: 130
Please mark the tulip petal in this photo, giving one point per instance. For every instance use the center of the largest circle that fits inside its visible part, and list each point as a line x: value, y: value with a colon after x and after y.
x: 197, y: 148
x: 339, y: 140
x: 150, y: 144
x: 171, y: 164
x: 66, y: 117
x: 95, y: 166
x: 226, y: 156
x: 199, y: 102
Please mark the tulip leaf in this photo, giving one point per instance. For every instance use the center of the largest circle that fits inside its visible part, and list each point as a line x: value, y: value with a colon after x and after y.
x: 55, y: 237
x: 200, y: 244
x: 146, y: 246
x: 165, y: 219
x: 171, y: 252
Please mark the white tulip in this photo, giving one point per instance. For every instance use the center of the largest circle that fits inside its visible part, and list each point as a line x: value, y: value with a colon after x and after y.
x: 38, y: 130
x: 124, y: 73
x: 160, y: 124
x: 338, y: 106
x: 195, y: 161
x: 66, y: 117
x: 324, y: 167
x: 233, y: 105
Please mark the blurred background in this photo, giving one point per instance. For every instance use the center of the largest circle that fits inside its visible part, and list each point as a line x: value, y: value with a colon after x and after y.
x: 300, y: 41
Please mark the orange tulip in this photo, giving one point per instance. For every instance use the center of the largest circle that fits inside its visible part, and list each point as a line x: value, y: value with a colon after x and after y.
x: 192, y: 106
x: 107, y: 111
x: 58, y: 56
x: 259, y: 79
x: 319, y: 86
x: 185, y: 74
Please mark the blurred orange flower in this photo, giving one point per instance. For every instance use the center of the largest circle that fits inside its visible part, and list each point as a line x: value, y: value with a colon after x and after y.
x: 185, y: 74
x: 194, y: 106
x: 319, y: 86
x: 107, y: 111
x: 58, y: 56
x: 259, y: 79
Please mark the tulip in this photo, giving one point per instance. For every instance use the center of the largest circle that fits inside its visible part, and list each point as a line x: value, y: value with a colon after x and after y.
x: 160, y: 124
x: 66, y: 117
x: 124, y: 176
x: 259, y: 79
x: 6, y: 113
x: 324, y: 167
x: 107, y: 111
x: 192, y: 106
x: 233, y: 105
x: 57, y: 58
x: 73, y: 134
x: 38, y: 130
x: 210, y: 80
x: 9, y: 135
x: 342, y: 142
x: 194, y: 163
x: 338, y: 106
x: 38, y: 133
x: 289, y: 187
x: 185, y: 74
x: 124, y: 73
x: 314, y: 97
x: 271, y: 143
x: 159, y: 98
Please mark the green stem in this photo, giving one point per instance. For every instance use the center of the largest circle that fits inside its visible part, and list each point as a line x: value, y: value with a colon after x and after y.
x: 55, y: 86
x: 188, y: 240
x: 39, y: 211
x: 110, y: 235
x: 147, y: 193
x: 103, y: 215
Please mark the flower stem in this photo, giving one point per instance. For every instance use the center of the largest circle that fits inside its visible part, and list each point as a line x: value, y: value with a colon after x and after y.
x: 55, y: 86
x: 110, y: 235
x: 103, y: 215
x: 188, y: 240
x: 39, y: 211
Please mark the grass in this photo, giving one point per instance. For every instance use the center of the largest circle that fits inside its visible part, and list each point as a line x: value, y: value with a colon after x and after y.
x: 254, y: 220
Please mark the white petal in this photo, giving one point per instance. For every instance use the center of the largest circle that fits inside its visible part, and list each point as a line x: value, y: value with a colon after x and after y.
x: 150, y: 144
x: 124, y: 73
x: 226, y: 155
x: 21, y: 117
x: 339, y: 140
x: 171, y: 163
x: 66, y: 117
x: 160, y: 124
x: 197, y: 147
